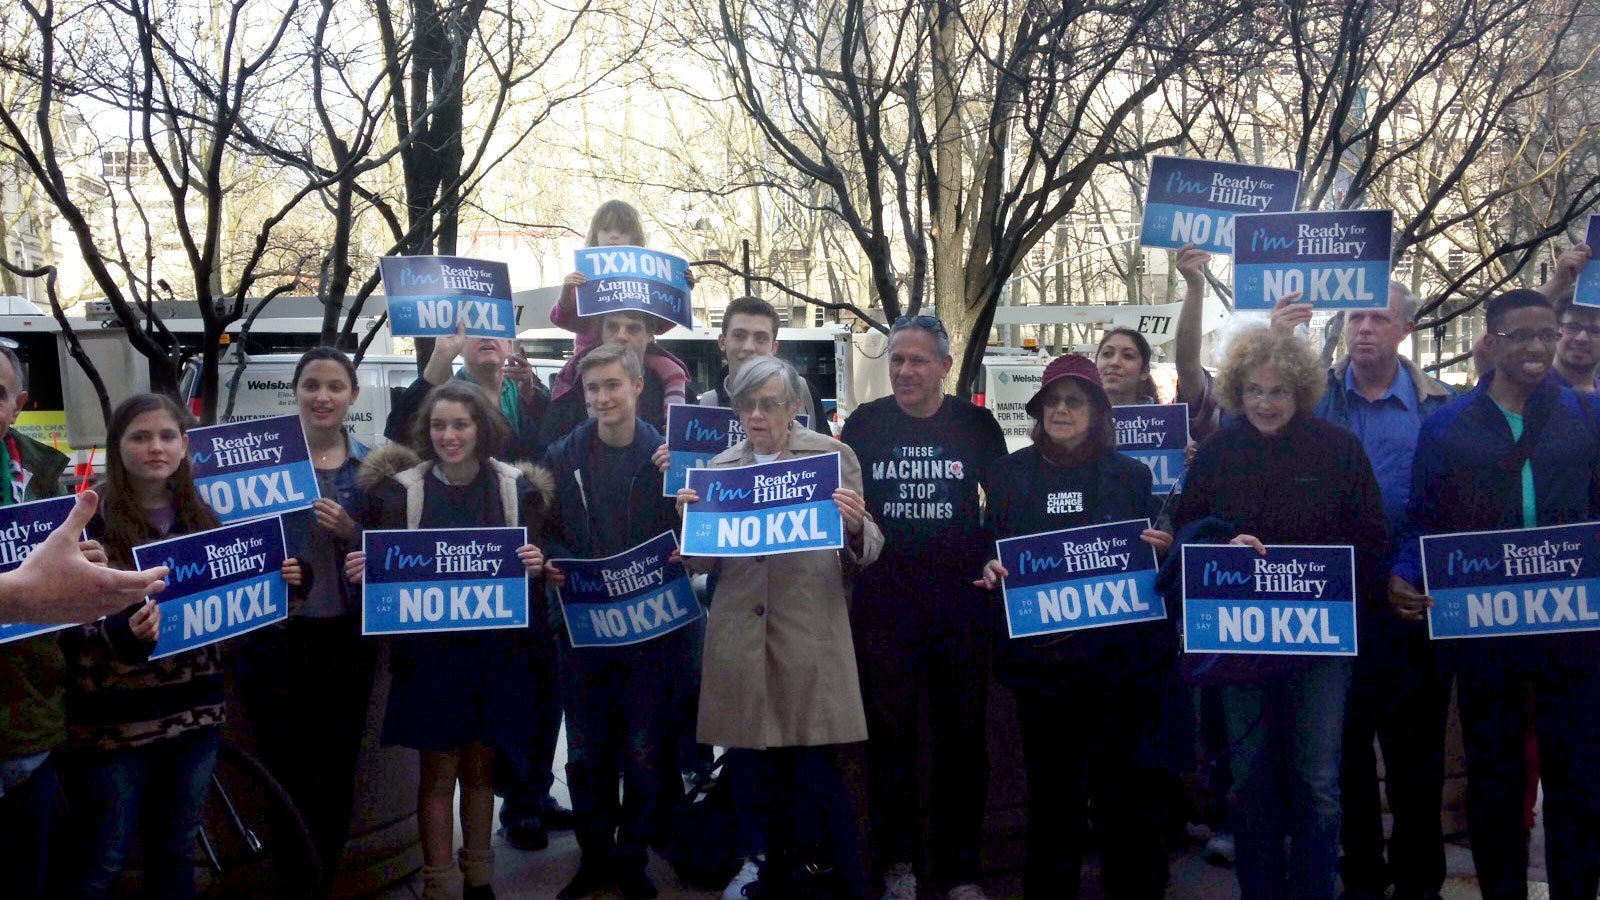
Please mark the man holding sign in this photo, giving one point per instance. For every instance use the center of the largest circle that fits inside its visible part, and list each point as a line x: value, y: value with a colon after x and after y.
x: 619, y: 700
x: 919, y: 620
x: 1521, y: 450
x: 780, y: 668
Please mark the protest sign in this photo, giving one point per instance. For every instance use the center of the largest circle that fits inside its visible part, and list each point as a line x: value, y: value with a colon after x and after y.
x: 1587, y: 292
x: 246, y: 470
x: 443, y: 579
x: 1296, y: 599
x: 1334, y: 260
x: 1156, y: 435
x: 764, y: 509
x: 429, y: 295
x: 633, y: 278
x: 1193, y: 201
x: 1520, y: 581
x: 695, y: 434
x: 628, y: 598
x: 224, y: 582
x: 24, y: 526
x: 1078, y: 578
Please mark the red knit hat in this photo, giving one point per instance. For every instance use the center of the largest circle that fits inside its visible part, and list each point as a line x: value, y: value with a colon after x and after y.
x: 1072, y: 365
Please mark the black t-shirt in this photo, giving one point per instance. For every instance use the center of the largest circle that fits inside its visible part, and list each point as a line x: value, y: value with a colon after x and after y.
x: 608, y: 496
x: 922, y: 478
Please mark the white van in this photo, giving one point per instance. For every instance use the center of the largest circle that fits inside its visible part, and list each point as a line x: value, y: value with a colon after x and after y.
x: 260, y: 387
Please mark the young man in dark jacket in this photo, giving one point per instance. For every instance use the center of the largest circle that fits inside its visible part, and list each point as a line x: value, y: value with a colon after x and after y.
x: 633, y: 330
x: 1475, y: 471
x: 616, y: 699
x: 749, y: 331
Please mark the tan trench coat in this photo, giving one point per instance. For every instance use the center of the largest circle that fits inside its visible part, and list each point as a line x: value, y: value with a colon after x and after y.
x: 780, y: 667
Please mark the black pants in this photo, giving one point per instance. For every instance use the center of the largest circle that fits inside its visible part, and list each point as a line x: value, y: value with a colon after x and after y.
x: 806, y: 796
x: 524, y: 764
x: 306, y: 686
x: 1401, y: 697
x: 938, y: 637
x: 617, y: 705
x: 1085, y: 746
x: 1490, y: 675
x: 27, y: 821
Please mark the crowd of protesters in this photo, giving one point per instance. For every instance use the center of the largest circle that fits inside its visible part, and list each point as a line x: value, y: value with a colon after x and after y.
x: 810, y: 667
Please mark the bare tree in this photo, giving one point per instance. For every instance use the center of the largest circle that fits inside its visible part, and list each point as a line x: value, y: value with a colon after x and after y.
x: 312, y: 104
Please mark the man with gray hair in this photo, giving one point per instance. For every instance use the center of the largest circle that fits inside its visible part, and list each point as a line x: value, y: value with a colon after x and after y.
x: 1401, y: 689
x: 918, y: 619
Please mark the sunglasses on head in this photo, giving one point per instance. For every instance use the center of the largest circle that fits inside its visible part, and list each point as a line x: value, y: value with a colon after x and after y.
x: 929, y: 323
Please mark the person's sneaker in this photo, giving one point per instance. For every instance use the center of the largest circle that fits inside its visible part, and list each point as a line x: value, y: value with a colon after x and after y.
x: 749, y: 872
x: 636, y: 885
x: 1220, y: 849
x: 965, y: 892
x: 900, y: 882
x: 589, y: 880
x: 556, y: 816
x: 478, y: 892
x: 526, y: 837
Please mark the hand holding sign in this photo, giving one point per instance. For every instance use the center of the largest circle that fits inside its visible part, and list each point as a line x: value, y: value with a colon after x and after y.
x: 1289, y: 314
x: 1191, y: 264
x: 853, y: 508
x: 1406, y: 602
x: 532, y: 559
x: 146, y: 623
x: 993, y: 573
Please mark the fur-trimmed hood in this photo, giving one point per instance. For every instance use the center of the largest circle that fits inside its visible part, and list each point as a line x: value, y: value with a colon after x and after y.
x: 393, y: 459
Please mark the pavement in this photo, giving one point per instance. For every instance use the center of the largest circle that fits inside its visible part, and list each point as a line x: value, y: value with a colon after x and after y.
x: 521, y: 875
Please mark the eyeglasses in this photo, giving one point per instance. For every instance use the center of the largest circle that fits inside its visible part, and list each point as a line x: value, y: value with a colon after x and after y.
x: 1547, y: 336
x: 927, y: 323
x: 1573, y: 329
x: 767, y: 405
x: 1255, y: 394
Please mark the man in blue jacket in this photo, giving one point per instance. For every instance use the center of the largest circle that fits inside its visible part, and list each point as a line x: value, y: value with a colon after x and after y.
x: 1521, y: 450
x: 617, y: 699
x: 1400, y: 693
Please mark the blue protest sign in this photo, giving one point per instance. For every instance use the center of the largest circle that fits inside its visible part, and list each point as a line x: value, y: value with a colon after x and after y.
x: 633, y: 278
x: 764, y: 509
x: 1156, y: 435
x: 1299, y: 600
x: 628, y: 598
x: 429, y: 295
x: 1587, y: 292
x: 1193, y: 201
x: 1335, y: 260
x: 224, y: 582
x: 1078, y: 578
x: 695, y: 434
x: 246, y: 470
x: 24, y: 526
x: 1522, y: 581
x: 443, y: 579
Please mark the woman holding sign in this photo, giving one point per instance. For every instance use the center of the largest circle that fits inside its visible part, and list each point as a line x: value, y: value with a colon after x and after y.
x: 779, y: 682
x: 141, y: 735
x: 1090, y: 700
x: 1280, y: 475
x: 306, y: 683
x: 454, y: 695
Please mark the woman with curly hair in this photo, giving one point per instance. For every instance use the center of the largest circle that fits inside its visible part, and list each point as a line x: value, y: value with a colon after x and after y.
x: 1280, y: 475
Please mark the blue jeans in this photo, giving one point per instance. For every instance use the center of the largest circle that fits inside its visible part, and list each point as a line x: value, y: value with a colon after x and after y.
x: 1286, y: 738
x: 157, y: 792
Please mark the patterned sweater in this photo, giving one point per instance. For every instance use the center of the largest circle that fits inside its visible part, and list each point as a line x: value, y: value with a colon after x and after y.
x: 117, y: 697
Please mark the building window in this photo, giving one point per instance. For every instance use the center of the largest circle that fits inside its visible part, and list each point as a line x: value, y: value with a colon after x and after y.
x: 127, y: 164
